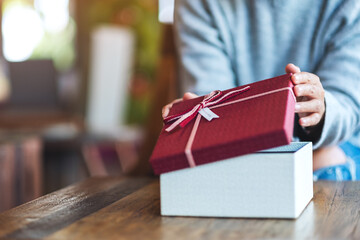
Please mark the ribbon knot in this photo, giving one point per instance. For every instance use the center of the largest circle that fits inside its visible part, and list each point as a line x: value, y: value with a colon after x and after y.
x: 209, y: 100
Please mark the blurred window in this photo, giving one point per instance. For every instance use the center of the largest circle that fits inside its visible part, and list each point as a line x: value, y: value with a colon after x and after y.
x: 39, y: 29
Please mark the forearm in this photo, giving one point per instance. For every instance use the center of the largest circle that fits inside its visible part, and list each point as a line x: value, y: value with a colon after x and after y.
x: 204, y: 61
x: 340, y: 121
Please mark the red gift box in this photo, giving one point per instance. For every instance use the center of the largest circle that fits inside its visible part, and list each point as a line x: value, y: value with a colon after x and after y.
x: 252, y: 117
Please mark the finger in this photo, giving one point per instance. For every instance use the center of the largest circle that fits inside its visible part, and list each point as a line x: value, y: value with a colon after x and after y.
x: 308, y: 90
x: 313, y: 106
x: 291, y: 68
x: 166, y: 110
x: 176, y: 101
x: 310, y: 120
x: 189, y: 95
x: 305, y: 78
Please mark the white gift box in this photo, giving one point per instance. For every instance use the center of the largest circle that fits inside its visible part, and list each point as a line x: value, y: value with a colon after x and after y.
x: 275, y: 183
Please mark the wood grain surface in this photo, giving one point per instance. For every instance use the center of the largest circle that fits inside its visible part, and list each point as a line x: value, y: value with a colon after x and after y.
x: 122, y: 208
x: 50, y: 213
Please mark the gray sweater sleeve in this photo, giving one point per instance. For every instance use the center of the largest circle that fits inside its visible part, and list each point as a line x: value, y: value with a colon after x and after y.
x: 201, y: 48
x: 206, y: 52
x: 339, y: 72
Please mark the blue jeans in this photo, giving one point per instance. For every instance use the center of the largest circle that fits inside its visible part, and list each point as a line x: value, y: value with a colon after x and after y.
x: 350, y: 171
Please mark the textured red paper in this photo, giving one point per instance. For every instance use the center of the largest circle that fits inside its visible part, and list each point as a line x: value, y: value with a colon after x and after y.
x: 244, y: 127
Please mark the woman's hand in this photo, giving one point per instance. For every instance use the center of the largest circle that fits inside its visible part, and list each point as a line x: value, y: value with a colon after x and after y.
x: 310, y: 96
x: 308, y: 90
x: 166, y: 108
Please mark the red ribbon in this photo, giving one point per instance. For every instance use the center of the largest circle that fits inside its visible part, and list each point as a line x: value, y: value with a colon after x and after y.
x: 214, y: 98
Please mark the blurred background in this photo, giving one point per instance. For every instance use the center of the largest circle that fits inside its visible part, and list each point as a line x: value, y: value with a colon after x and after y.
x: 82, y: 84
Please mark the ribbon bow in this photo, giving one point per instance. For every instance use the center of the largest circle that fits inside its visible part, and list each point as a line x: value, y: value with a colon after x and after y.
x: 209, y: 100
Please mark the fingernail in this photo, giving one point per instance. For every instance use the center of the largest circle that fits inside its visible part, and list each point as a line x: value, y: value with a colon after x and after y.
x: 165, y: 113
x: 297, y: 107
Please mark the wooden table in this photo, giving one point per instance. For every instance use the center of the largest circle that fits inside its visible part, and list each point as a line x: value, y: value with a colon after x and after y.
x: 125, y: 208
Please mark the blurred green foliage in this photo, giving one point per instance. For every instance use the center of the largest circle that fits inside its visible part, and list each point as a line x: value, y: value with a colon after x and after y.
x: 139, y: 15
x: 60, y: 47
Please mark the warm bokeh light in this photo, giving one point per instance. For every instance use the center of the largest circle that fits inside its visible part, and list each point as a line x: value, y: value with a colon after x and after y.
x: 55, y: 14
x: 22, y: 31
x: 4, y: 87
x: 39, y: 29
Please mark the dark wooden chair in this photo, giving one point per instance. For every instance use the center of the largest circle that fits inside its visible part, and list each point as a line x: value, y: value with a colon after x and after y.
x: 34, y: 101
x: 35, y: 107
x: 33, y: 86
x: 20, y: 169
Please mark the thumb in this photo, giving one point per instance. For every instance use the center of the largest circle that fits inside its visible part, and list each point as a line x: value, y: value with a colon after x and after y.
x: 189, y: 95
x: 291, y: 68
